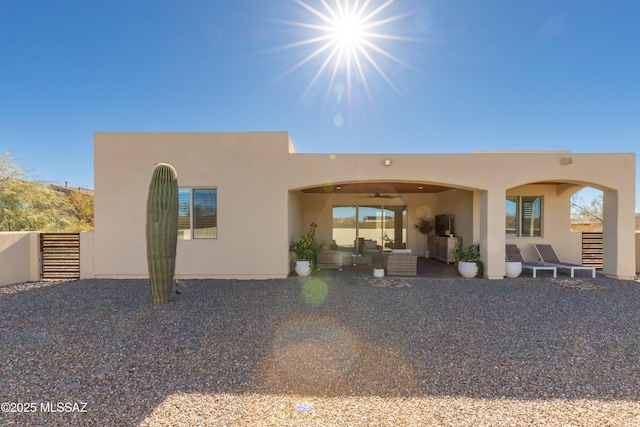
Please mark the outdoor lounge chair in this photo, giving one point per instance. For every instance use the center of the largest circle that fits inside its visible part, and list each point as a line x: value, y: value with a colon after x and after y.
x: 371, y: 248
x: 513, y: 254
x: 548, y: 256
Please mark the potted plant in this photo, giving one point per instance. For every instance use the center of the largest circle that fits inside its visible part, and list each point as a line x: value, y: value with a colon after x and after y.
x: 305, y: 250
x: 468, y: 261
x: 425, y: 226
x: 378, y: 268
x: 513, y: 269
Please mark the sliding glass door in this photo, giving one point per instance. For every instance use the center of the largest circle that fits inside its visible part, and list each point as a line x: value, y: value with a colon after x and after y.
x: 370, y: 223
x: 387, y: 225
x: 344, y: 226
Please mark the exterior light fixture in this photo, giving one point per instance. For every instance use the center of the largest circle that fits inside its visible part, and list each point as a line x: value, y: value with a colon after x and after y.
x: 420, y: 187
x: 338, y: 187
x: 566, y: 161
x: 387, y: 162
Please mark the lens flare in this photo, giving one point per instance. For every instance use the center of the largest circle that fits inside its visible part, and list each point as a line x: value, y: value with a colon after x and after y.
x: 315, y: 351
x: 315, y: 292
x: 304, y: 407
x: 348, y: 39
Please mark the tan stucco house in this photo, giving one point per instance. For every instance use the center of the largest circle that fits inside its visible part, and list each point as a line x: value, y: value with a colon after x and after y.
x: 245, y: 196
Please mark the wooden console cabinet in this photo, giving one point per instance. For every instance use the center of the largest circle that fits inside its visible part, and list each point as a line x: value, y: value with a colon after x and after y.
x: 441, y: 247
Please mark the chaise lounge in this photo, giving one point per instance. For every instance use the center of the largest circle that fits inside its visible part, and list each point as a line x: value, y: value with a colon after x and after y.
x: 549, y: 257
x: 513, y: 254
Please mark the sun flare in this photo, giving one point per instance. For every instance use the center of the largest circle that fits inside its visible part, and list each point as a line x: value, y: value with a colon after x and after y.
x: 348, y: 32
x: 345, y: 40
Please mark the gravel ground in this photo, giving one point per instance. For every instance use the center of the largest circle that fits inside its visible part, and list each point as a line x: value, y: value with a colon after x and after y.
x: 328, y: 350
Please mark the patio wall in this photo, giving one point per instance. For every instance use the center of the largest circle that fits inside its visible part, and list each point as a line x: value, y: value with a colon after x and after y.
x: 20, y: 257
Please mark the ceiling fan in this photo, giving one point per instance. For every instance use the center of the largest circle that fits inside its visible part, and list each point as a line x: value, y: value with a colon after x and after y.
x: 377, y: 195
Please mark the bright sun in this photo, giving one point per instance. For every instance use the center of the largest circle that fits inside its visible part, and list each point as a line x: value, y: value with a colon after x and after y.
x: 346, y: 36
x: 348, y: 32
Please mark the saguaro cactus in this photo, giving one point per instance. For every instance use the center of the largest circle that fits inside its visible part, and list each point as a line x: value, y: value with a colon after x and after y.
x: 162, y: 231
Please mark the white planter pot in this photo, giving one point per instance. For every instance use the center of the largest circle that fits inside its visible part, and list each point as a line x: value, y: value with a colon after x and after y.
x: 303, y: 267
x: 467, y: 269
x: 378, y: 272
x: 426, y: 253
x: 513, y: 269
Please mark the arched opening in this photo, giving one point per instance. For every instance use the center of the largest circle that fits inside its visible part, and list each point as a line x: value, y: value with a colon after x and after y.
x: 587, y: 210
x: 382, y: 215
x: 568, y: 210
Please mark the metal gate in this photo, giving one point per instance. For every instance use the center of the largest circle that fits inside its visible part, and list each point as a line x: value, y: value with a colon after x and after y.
x: 60, y: 255
x: 592, y: 249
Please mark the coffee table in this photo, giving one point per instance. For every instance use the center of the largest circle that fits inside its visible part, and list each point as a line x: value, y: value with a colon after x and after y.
x: 361, y: 259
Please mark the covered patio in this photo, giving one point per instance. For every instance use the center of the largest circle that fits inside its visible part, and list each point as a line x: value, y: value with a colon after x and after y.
x: 429, y: 268
x: 426, y: 268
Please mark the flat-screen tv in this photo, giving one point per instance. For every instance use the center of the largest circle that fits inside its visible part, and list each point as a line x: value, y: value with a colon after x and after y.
x: 444, y: 225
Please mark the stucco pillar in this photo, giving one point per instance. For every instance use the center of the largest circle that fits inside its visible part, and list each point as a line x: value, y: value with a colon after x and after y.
x: 492, y: 237
x: 619, y: 235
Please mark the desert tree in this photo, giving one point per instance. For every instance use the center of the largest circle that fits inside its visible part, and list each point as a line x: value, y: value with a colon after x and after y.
x: 81, y: 210
x: 27, y: 205
x: 587, y: 215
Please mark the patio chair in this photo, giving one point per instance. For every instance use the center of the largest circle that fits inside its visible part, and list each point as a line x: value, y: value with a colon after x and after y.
x: 513, y: 254
x: 367, y: 245
x: 401, y: 265
x: 370, y: 248
x: 548, y: 256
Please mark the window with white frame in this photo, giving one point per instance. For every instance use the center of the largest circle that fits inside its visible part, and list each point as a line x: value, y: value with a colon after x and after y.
x: 197, y: 213
x: 523, y: 216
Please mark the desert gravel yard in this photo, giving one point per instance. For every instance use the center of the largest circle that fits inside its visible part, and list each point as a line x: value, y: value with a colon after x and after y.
x: 328, y: 350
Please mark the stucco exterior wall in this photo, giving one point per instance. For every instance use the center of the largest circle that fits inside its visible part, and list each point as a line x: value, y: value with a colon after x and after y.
x: 246, y: 168
x: 296, y: 225
x: 261, y: 208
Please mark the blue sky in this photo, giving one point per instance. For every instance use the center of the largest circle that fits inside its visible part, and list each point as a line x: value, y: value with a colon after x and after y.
x: 459, y: 76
